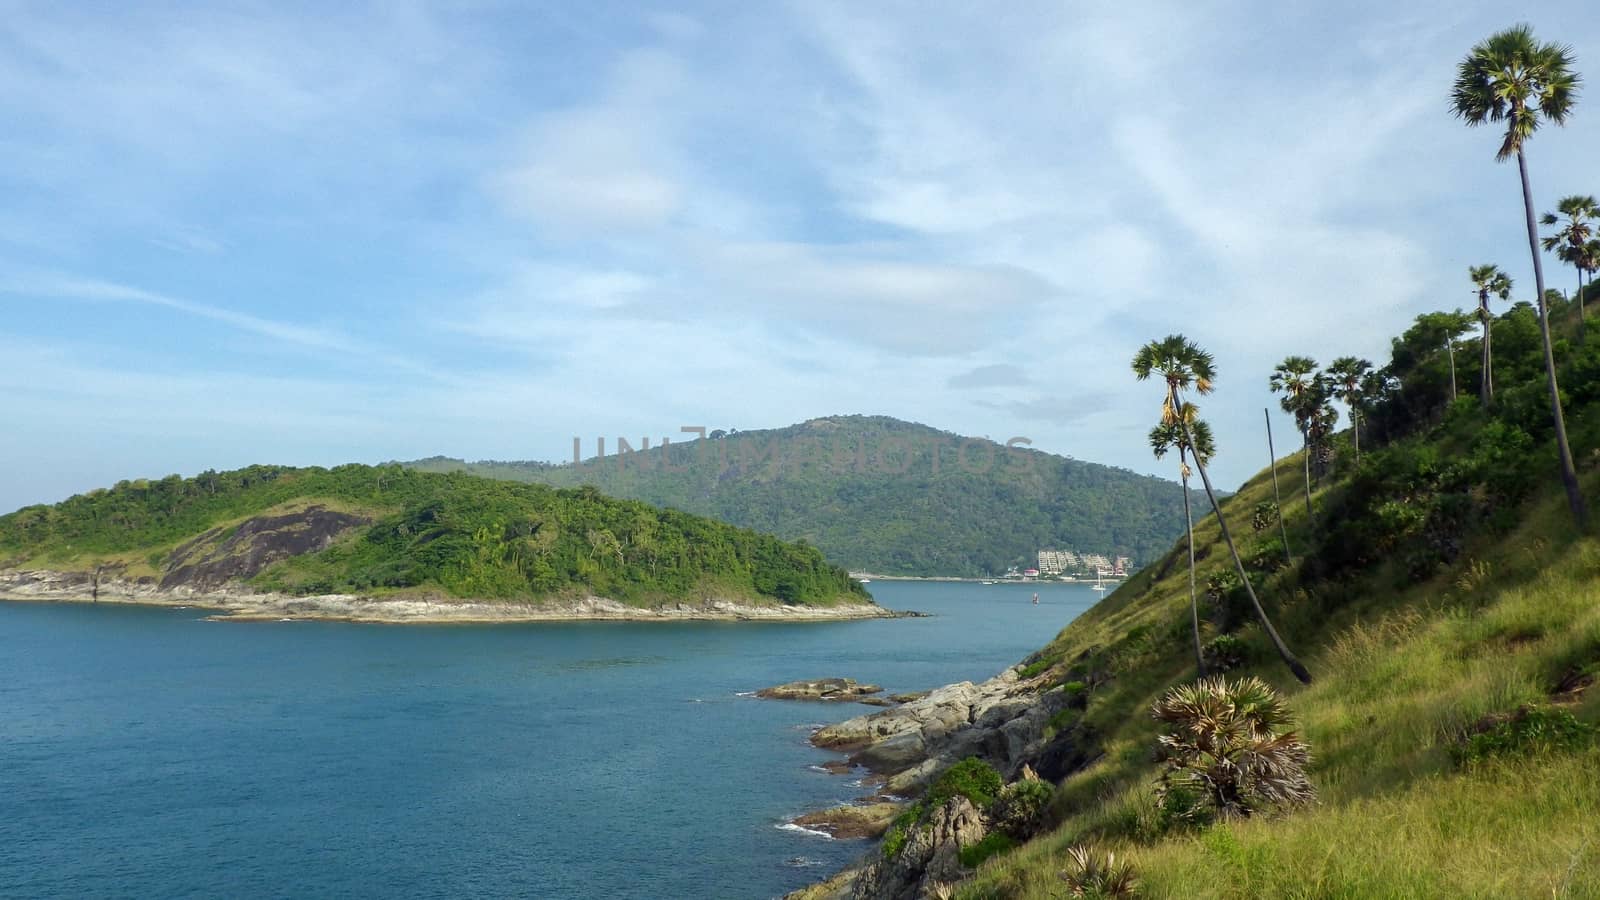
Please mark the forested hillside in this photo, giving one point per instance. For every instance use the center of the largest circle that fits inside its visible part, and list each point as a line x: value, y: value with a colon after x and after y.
x: 386, y: 530
x: 883, y: 495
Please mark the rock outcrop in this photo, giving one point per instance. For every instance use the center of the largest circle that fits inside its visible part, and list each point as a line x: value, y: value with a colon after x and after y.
x: 931, y: 855
x: 224, y: 555
x: 842, y: 689
x: 844, y: 822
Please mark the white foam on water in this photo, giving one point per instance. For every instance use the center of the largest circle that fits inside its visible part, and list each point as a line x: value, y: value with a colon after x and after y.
x: 790, y: 826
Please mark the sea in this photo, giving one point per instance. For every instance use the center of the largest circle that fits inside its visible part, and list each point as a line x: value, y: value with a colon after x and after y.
x: 149, y: 752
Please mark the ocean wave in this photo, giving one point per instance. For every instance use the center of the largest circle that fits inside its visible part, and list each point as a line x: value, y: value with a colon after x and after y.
x: 744, y: 693
x: 790, y: 826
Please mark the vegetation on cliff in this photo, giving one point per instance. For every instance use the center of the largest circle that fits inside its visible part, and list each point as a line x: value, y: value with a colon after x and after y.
x: 382, y: 530
x: 882, y: 495
x: 1442, y: 593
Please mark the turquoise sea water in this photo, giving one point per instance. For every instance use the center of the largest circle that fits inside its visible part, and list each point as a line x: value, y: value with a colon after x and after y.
x: 149, y: 753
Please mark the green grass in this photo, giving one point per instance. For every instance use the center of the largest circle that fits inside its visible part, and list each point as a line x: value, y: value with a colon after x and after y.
x: 1405, y: 679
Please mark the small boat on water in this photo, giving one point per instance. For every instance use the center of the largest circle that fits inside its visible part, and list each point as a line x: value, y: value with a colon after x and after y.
x: 1098, y: 584
x: 869, y: 580
x: 989, y: 582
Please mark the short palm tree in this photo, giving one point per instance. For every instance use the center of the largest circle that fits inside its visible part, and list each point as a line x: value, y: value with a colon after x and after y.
x: 1165, y: 437
x: 1296, y: 378
x: 1184, y: 366
x: 1568, y: 241
x: 1488, y: 279
x: 1348, y: 374
x: 1227, y: 752
x: 1513, y: 78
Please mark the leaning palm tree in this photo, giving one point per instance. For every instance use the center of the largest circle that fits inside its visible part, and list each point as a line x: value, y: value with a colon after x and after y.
x: 1568, y: 241
x: 1296, y: 378
x: 1181, y: 363
x: 1515, y: 79
x: 1348, y: 373
x: 1488, y: 279
x: 1165, y: 437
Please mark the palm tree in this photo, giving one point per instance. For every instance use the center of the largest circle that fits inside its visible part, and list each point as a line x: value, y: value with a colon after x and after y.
x: 1348, y: 374
x: 1295, y: 378
x: 1488, y: 279
x: 1184, y: 366
x: 1515, y: 79
x: 1164, y: 437
x: 1568, y: 241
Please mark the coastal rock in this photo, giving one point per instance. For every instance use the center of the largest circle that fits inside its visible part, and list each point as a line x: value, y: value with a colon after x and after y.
x: 931, y: 855
x: 909, y: 696
x: 848, y: 822
x: 941, y: 711
x: 820, y: 689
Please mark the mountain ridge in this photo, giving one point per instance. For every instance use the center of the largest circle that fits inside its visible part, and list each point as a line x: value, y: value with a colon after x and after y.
x: 881, y: 494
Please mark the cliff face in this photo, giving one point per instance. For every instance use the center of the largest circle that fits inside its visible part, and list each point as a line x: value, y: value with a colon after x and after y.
x: 221, y: 555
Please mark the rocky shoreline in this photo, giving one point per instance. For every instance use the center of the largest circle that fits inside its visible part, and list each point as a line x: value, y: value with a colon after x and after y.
x: 1015, y: 724
x: 234, y: 603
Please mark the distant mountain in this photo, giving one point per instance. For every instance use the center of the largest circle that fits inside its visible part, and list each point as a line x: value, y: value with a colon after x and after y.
x: 387, y: 531
x: 882, y: 495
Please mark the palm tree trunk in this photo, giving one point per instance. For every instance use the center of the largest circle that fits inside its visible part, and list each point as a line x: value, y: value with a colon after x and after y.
x: 1194, y: 598
x: 1450, y: 351
x: 1580, y: 303
x: 1355, y: 431
x: 1569, y: 474
x: 1277, y: 498
x: 1305, y: 443
x: 1289, y: 659
x: 1488, y: 369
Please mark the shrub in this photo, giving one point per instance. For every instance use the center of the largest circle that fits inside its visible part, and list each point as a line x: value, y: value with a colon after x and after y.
x: 1224, y: 745
x: 1264, y: 515
x: 993, y: 843
x: 1530, y: 731
x: 1225, y: 652
x: 894, y: 839
x: 971, y: 778
x: 1101, y: 875
x: 1034, y: 668
x: 1019, y: 809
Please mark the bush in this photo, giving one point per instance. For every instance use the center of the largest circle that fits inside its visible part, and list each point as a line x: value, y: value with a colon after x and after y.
x: 993, y: 843
x: 1225, y: 652
x: 894, y: 839
x: 1034, y: 668
x: 1530, y: 731
x: 971, y: 778
x: 1264, y: 516
x: 1019, y: 810
x: 1225, y: 754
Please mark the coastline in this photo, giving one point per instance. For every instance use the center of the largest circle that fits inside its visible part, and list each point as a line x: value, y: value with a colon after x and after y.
x: 237, y: 605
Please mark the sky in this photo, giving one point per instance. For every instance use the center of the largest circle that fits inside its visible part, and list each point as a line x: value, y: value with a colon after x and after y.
x: 312, y: 234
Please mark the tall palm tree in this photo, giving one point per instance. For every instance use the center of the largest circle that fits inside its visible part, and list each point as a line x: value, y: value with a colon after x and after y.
x: 1488, y: 279
x: 1165, y: 437
x: 1568, y: 241
x: 1295, y: 378
x: 1513, y: 78
x: 1181, y: 363
x: 1348, y: 374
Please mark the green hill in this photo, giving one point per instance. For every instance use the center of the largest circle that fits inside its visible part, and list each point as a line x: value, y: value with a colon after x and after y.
x: 882, y: 495
x: 1449, y: 611
x: 390, y: 530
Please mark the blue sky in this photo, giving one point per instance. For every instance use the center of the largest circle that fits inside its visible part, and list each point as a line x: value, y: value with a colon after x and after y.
x: 275, y: 233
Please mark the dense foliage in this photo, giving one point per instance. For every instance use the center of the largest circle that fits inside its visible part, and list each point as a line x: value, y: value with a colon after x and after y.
x: 455, y: 533
x: 882, y: 495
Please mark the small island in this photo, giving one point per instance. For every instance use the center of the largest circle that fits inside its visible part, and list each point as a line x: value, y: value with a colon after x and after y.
x: 389, y: 544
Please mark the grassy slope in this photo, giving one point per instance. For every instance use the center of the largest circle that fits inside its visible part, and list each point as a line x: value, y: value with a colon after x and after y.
x: 1400, y: 674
